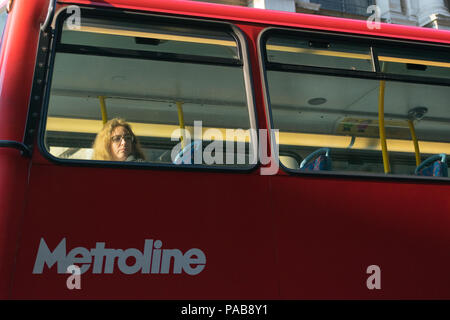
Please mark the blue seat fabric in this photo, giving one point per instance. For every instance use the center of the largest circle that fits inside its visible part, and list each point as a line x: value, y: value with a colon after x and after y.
x: 317, y: 160
x: 434, y: 166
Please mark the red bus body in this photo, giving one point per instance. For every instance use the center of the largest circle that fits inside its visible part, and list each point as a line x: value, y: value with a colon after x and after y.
x: 264, y: 237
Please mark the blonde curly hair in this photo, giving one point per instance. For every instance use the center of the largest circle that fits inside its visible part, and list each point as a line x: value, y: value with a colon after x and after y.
x: 102, y: 142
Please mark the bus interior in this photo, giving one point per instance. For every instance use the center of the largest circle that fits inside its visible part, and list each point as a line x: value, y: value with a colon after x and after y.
x: 323, y: 91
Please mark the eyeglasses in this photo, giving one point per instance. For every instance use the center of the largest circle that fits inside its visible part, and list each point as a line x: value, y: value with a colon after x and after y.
x: 126, y: 137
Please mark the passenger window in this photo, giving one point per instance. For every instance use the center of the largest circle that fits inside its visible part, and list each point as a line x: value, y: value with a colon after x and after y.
x: 416, y: 63
x: 335, y: 117
x: 164, y: 37
x: 320, y: 52
x: 181, y: 86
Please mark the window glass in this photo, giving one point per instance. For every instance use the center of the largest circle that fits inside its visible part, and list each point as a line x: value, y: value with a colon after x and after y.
x: 3, y: 17
x: 309, y: 51
x: 193, y: 79
x: 154, y: 37
x: 340, y: 114
x: 418, y: 63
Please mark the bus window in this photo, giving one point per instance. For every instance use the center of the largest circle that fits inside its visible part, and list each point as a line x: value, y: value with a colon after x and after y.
x: 322, y: 107
x: 3, y: 17
x: 319, y: 52
x: 153, y: 37
x: 173, y: 81
x: 416, y: 63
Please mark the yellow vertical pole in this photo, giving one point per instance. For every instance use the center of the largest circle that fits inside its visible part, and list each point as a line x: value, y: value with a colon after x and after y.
x: 181, y: 121
x: 387, y: 167
x: 103, y: 109
x: 416, y: 143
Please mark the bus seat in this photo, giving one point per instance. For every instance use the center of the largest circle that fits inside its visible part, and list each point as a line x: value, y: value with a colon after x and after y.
x: 318, y: 160
x: 434, y: 166
x: 186, y: 156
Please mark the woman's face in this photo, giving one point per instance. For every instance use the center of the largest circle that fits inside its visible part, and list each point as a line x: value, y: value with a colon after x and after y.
x: 121, y: 143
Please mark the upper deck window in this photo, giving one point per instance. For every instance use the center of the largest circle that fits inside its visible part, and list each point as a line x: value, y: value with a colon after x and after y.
x: 420, y: 62
x: 303, y: 51
x: 319, y: 53
x: 159, y: 37
x: 331, y: 107
x: 174, y: 81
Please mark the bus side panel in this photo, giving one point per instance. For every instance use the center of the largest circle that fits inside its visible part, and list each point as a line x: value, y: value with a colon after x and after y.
x: 331, y: 233
x: 17, y: 59
x: 223, y: 214
x: 13, y: 179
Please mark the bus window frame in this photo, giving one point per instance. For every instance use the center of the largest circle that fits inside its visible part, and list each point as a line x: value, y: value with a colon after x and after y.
x: 375, y: 75
x: 112, y: 14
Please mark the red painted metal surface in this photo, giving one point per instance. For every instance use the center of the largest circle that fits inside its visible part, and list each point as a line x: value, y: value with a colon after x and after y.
x: 17, y: 58
x: 330, y: 230
x: 264, y: 237
x: 123, y: 207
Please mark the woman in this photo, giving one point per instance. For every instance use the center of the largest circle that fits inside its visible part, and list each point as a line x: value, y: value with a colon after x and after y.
x: 117, y: 142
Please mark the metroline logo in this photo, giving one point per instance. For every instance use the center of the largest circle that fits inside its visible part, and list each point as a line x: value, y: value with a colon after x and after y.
x: 153, y: 259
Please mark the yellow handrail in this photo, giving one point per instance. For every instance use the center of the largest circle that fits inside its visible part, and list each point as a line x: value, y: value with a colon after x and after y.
x: 181, y: 121
x: 387, y: 167
x: 103, y: 109
x: 416, y: 143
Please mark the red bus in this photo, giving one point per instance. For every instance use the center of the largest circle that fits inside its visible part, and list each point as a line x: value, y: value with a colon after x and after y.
x: 351, y: 202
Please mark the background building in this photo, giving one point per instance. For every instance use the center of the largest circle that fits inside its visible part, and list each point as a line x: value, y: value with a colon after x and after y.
x: 423, y: 13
